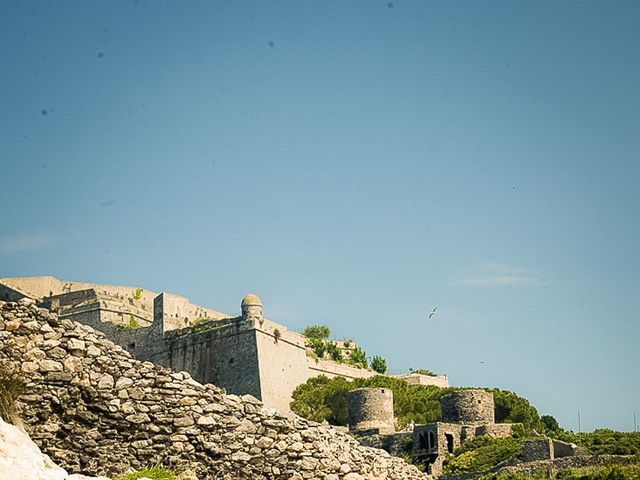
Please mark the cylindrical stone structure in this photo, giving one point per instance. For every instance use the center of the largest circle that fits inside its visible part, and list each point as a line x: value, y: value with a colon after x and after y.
x: 252, y: 307
x: 468, y: 407
x: 371, y: 408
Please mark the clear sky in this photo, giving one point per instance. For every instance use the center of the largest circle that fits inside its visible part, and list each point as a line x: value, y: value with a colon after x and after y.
x: 353, y: 163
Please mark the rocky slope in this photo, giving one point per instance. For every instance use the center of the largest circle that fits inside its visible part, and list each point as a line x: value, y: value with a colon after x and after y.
x: 95, y: 409
x: 21, y: 459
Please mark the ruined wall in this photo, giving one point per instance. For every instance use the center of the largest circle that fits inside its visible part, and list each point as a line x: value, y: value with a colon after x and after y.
x: 371, y: 409
x: 468, y: 406
x: 93, y: 408
x: 441, y: 381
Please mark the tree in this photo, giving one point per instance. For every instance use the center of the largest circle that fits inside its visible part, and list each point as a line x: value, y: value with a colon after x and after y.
x: 334, y: 352
x: 318, y: 332
x: 318, y: 346
x: 358, y: 358
x: 550, y: 424
x: 379, y: 364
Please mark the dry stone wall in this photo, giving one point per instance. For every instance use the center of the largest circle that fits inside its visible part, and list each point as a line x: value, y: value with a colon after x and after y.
x: 95, y: 409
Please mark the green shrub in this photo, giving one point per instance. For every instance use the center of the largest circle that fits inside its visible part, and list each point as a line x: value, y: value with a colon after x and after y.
x: 379, y: 364
x: 334, y: 352
x: 137, y: 295
x: 319, y: 332
x: 423, y: 371
x: 604, y: 441
x: 358, y: 358
x: 614, y: 472
x: 484, y: 454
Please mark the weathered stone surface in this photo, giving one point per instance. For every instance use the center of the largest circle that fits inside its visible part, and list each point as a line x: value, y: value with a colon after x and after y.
x: 21, y: 459
x: 106, y: 413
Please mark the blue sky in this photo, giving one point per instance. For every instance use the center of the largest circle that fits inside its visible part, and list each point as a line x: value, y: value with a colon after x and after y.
x: 353, y: 163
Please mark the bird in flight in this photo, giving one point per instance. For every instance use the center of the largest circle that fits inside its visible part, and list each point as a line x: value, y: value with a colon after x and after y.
x: 433, y: 312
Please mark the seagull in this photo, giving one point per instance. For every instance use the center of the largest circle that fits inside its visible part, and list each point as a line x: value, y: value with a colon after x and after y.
x: 433, y: 312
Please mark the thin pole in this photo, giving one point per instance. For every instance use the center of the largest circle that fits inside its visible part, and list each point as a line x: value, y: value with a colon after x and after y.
x: 579, y: 421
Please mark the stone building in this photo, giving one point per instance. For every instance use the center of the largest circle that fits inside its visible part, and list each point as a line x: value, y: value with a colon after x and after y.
x: 245, y: 353
x: 465, y: 414
x: 371, y: 410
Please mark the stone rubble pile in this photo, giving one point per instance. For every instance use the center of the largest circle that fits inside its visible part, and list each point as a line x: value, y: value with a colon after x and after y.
x: 21, y: 459
x: 95, y: 409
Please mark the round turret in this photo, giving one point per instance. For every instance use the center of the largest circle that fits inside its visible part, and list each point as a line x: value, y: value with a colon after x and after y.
x: 371, y: 408
x: 468, y: 406
x: 252, y: 307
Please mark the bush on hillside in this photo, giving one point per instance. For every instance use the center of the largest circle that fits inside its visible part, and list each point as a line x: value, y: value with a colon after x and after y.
x: 321, y: 398
x: 482, y: 453
x: 604, y: 441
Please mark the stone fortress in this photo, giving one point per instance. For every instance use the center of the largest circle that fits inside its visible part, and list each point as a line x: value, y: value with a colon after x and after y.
x: 244, y: 354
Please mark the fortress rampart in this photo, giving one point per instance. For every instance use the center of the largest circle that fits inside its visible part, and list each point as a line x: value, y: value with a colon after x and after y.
x: 244, y: 354
x: 94, y: 408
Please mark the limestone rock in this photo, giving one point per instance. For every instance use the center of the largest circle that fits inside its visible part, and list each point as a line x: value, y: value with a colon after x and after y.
x: 21, y: 459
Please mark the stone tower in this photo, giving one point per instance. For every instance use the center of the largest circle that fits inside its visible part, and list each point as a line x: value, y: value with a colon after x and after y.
x: 472, y: 407
x: 371, y: 408
x: 252, y: 308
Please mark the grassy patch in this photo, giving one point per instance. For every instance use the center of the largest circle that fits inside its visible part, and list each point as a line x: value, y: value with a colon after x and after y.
x: 155, y: 473
x: 137, y: 295
x: 614, y: 472
x: 131, y: 325
x: 482, y: 453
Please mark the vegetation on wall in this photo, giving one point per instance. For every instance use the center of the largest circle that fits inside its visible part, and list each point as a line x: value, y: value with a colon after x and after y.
x: 358, y: 358
x: 317, y: 332
x: 137, y: 294
x: 604, y: 441
x: 482, y: 453
x: 423, y: 371
x: 319, y: 343
x: 379, y: 364
x: 321, y: 398
x: 132, y: 324
x: 155, y: 473
x: 613, y: 472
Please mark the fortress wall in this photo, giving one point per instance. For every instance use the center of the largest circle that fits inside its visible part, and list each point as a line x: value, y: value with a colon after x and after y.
x: 35, y: 287
x: 441, y: 381
x: 93, y: 408
x: 178, y: 312
x: 226, y: 356
x: 79, y: 305
x: 283, y: 365
x: 11, y: 293
x: 330, y: 369
x: 44, y: 286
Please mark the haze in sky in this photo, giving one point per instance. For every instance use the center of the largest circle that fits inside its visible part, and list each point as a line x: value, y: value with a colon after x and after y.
x: 355, y: 164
